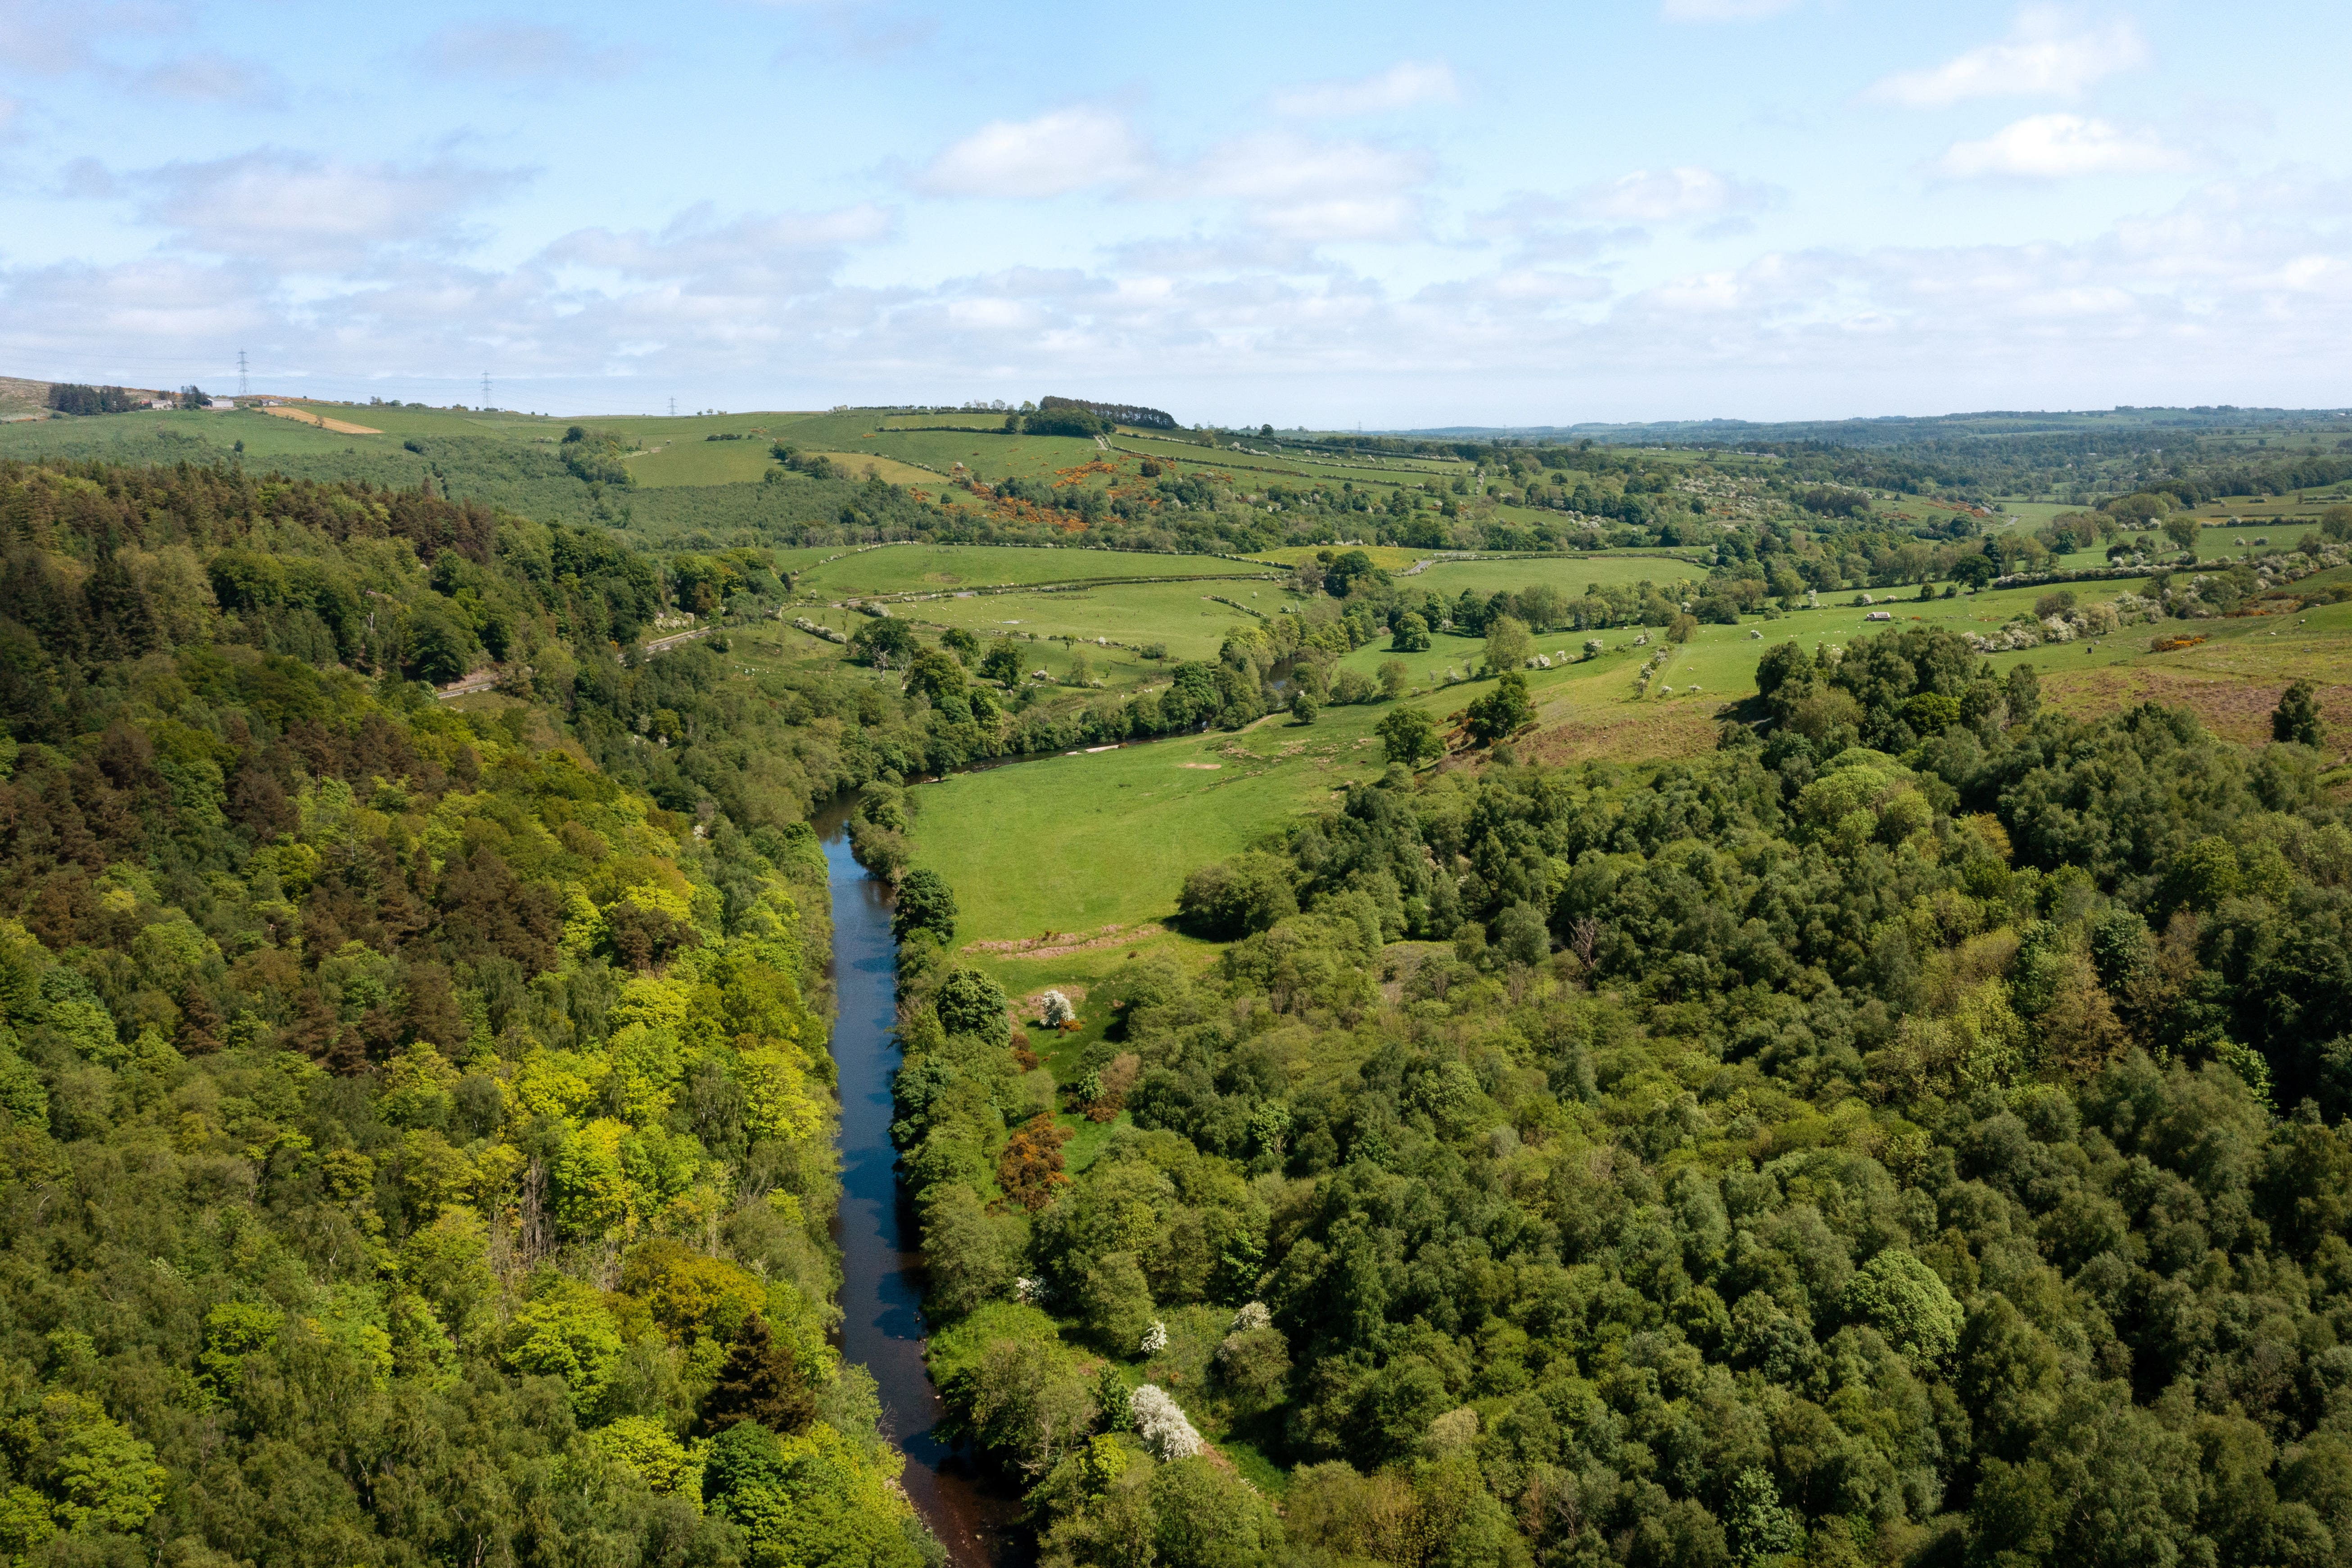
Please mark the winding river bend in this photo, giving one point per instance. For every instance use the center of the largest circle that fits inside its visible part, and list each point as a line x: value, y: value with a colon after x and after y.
x: 882, y: 1266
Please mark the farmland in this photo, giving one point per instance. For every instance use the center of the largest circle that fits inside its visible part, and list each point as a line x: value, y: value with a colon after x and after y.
x: 1109, y: 836
x: 918, y: 569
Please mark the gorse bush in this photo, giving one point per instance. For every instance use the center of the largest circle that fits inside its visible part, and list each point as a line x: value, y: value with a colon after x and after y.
x: 1927, y: 1154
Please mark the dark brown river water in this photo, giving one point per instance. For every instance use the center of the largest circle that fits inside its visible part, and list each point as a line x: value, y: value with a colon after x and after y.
x: 882, y: 1266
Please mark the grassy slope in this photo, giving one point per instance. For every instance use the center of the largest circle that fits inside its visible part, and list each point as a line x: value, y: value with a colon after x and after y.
x: 19, y: 397
x: 950, y: 568
x: 1076, y: 843
x: 1179, y: 615
x: 696, y: 461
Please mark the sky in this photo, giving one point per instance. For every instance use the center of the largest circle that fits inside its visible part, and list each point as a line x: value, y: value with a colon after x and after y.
x: 1384, y: 215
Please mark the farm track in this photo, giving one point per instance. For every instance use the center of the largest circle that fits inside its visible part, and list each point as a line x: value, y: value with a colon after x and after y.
x: 676, y: 639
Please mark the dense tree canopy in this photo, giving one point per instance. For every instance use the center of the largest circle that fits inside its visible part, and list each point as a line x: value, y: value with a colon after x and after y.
x: 1925, y: 1154
x: 415, y: 1141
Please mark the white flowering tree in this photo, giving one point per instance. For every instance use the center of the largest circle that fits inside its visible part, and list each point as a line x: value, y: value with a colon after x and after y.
x: 1161, y: 1423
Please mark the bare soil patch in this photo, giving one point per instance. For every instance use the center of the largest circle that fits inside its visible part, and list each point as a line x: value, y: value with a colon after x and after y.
x: 340, y: 426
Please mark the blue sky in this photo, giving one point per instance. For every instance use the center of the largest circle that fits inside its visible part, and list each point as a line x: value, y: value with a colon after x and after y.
x: 1381, y: 213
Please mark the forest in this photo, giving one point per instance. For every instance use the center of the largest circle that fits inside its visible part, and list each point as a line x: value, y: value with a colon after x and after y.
x: 1910, y: 1133
x: 418, y: 1133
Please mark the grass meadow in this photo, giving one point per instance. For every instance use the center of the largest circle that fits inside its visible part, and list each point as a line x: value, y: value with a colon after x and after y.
x: 1567, y: 574
x: 1179, y: 615
x: 948, y: 568
x: 1074, y: 844
x: 695, y: 461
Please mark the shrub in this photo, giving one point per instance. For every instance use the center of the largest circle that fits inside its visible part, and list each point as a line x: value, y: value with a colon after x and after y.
x: 1237, y: 896
x: 1159, y: 1421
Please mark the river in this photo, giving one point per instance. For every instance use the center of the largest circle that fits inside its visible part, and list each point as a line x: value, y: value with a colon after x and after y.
x: 881, y: 1265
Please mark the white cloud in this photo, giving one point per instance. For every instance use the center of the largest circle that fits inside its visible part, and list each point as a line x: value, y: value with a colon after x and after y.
x: 297, y: 211
x: 1299, y: 188
x: 1549, y: 229
x: 1669, y: 195
x: 2055, y: 147
x: 1281, y: 166
x: 1222, y: 254
x: 51, y: 37
x: 759, y: 310
x: 516, y: 50
x: 1291, y: 189
x: 1052, y: 155
x: 1402, y: 86
x: 87, y: 179
x: 208, y: 78
x: 2045, y: 55
x: 693, y: 244
x: 127, y: 322
x: 1517, y: 288
x: 1723, y: 10
x: 1342, y: 219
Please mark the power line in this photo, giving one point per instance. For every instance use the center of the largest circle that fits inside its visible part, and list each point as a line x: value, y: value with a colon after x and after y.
x: 673, y: 408
x: 242, y: 386
x: 486, y: 389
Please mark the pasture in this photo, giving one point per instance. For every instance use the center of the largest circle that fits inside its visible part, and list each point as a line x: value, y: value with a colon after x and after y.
x: 1181, y: 617
x: 166, y: 436
x: 1075, y: 844
x: 1567, y: 574
x: 693, y: 461
x: 950, y: 568
x: 989, y: 456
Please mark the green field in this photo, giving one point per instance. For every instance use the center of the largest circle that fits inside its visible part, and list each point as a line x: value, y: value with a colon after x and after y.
x: 1180, y: 616
x: 167, y: 436
x: 1568, y: 573
x: 1329, y: 470
x: 1106, y: 838
x: 1121, y: 670
x: 989, y: 456
x: 696, y: 461
x: 950, y: 568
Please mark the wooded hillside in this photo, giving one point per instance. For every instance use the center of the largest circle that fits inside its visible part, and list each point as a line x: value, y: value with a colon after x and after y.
x: 1810, y: 1153
x: 418, y: 1139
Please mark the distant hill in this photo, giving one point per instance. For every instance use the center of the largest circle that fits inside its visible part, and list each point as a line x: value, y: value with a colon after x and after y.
x: 1897, y: 430
x: 19, y: 397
